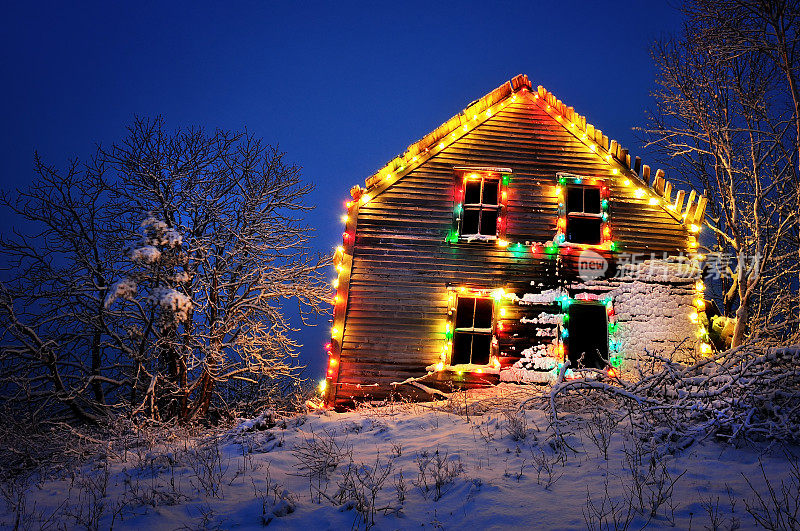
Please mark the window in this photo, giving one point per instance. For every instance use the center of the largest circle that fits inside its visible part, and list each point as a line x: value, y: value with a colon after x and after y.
x: 481, y: 207
x: 587, y: 343
x: 472, y: 338
x: 584, y: 215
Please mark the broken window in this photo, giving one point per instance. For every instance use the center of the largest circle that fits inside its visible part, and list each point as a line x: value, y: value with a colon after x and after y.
x: 587, y: 342
x: 481, y: 206
x: 472, y: 338
x: 584, y: 215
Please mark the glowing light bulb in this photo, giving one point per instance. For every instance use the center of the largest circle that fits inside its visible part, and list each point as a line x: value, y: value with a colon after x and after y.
x: 502, y: 243
x: 441, y: 145
x: 694, y: 228
x: 699, y: 286
x: 345, y: 218
x: 488, y: 112
x: 502, y: 312
x: 465, y: 128
x: 705, y: 348
x: 639, y: 193
x: 653, y: 201
x: 334, y: 332
x: 615, y: 171
x: 439, y: 366
x: 693, y: 317
x: 626, y: 182
x: 332, y: 362
x: 340, y: 249
x: 323, y: 384
x: 335, y: 282
x: 365, y: 199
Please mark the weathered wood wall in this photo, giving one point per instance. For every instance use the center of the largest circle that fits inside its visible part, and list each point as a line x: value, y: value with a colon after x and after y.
x: 402, y: 265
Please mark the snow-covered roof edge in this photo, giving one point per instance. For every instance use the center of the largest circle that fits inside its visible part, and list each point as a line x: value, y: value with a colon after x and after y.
x: 687, y: 208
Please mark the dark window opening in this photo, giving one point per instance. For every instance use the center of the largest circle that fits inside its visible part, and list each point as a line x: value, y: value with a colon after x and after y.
x: 584, y: 215
x: 472, y: 339
x: 587, y: 342
x: 480, y: 208
x: 584, y: 230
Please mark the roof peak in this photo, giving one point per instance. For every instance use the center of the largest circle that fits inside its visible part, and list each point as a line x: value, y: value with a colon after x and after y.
x: 481, y: 109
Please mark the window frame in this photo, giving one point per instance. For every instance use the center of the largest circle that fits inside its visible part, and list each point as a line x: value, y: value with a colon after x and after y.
x: 474, y: 331
x: 570, y: 215
x: 567, y: 181
x: 480, y: 207
x: 464, y: 175
x: 571, y: 333
x: 454, y: 294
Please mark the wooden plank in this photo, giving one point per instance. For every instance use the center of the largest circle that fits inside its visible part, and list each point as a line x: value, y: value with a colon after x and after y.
x: 700, y: 212
x: 679, y: 201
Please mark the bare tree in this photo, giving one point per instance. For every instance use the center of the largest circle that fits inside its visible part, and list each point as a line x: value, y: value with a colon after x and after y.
x: 727, y: 119
x: 58, y: 267
x: 160, y: 269
x: 222, y: 250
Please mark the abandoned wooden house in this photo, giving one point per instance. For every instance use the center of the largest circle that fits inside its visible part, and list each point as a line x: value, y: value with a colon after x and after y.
x: 513, y: 238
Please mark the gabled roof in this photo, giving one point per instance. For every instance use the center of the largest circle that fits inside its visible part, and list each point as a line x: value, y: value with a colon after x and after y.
x: 688, y: 208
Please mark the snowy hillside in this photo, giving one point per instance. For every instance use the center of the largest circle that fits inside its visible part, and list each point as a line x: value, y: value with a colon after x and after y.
x: 434, y: 465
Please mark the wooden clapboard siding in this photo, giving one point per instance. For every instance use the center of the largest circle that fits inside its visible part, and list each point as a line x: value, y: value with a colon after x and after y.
x: 397, y: 288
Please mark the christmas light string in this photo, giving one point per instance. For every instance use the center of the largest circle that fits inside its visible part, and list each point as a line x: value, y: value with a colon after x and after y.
x: 390, y: 174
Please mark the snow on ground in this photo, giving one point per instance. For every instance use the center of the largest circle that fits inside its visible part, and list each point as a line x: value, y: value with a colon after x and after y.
x: 495, y: 468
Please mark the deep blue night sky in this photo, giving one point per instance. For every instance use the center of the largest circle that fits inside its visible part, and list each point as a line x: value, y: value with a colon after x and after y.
x: 341, y: 87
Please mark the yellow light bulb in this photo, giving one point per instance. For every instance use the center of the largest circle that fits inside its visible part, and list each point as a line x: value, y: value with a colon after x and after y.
x: 335, y: 282
x: 693, y: 317
x: 488, y: 112
x: 441, y: 145
x: 699, y: 286
x: 502, y: 312
x: 615, y: 171
x: 653, y: 201
x: 323, y: 384
x: 340, y: 249
x: 639, y: 193
x: 334, y: 332
x: 439, y: 366
x: 502, y: 243
x: 365, y: 199
x: 345, y: 218
x: 626, y: 182
x: 694, y: 228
